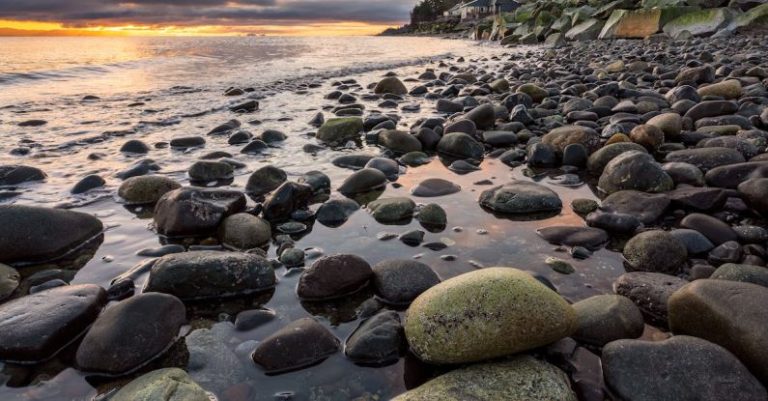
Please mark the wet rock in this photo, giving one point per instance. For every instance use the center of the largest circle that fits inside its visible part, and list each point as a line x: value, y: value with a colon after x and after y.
x: 656, y: 251
x: 212, y: 363
x: 732, y: 175
x: 560, y: 138
x: 88, y: 183
x: 606, y: 318
x: 483, y: 116
x: 684, y: 173
x: 588, y: 237
x: 715, y: 230
x: 694, y: 241
x: 647, y: 208
x: 742, y: 273
x: 170, y: 384
x: 460, y: 145
x: 362, y: 181
x: 51, y: 319
x: 335, y: 212
x: 649, y: 136
x: 432, y: 215
x: 755, y: 193
x: 187, y: 142
x: 302, y: 343
x: 433, y: 187
x: 285, y: 200
x: 141, y: 167
x: 225, y: 128
x: 598, y: 160
x: 339, y: 130
x: 389, y: 167
x: 36, y: 234
x: 706, y: 158
x: 727, y: 252
x: 245, y: 231
x: 195, y: 211
x: 19, y: 174
x: 399, y: 141
x: 141, y: 327
x: 634, y: 170
x: 245, y: 107
x: 210, y: 274
x: 521, y: 197
x: 400, y: 281
x: 9, y: 281
x: 135, y: 146
x: 670, y: 124
x: 392, y: 210
x: 255, y: 147
x: 272, y: 136
x: 584, y: 206
x: 251, y: 319
x: 523, y: 378
x: 377, y: 341
x: 334, y: 277
x: 208, y: 171
x: 390, y: 85
x: 711, y: 108
x: 146, y: 189
x: 264, y: 180
x: 449, y: 322
x: 542, y: 155
x: 575, y: 155
x: 536, y: 92
x: 681, y: 368
x: 650, y: 292
x: 728, y: 313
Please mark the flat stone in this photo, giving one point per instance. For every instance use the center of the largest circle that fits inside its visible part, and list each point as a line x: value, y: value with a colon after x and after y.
x: 433, y: 187
x: 302, y: 343
x: 588, y: 237
x: 647, y: 208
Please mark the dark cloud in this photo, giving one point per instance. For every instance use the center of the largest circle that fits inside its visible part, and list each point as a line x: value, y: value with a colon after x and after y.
x: 204, y: 12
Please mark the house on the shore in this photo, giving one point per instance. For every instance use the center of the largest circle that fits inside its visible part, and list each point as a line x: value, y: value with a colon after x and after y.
x: 481, y: 8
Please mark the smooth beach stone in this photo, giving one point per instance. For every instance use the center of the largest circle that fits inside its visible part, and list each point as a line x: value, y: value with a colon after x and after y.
x: 483, y: 116
x: 251, y: 319
x: 727, y: 252
x: 36, y: 327
x: 584, y: 206
x: 500, y: 138
x: 336, y: 212
x: 19, y: 174
x: 377, y: 341
x: 728, y: 313
x: 390, y: 85
x: 465, y: 126
x: 365, y: 180
x: 461, y: 146
x: 141, y: 167
x: 271, y: 136
x: 9, y: 281
x: 560, y: 138
x: 521, y: 197
x: 245, y: 231
x: 210, y: 274
x: 647, y: 208
x: 684, y: 173
x: 542, y: 155
x: 88, y: 183
x: 706, y: 158
x: 656, y: 251
x: 598, y: 160
x: 334, y: 277
x: 732, y: 175
x: 681, y: 368
x: 432, y: 214
x: 523, y: 378
x: 742, y: 273
x: 755, y: 193
x: 302, y: 343
x: 389, y: 167
x: 401, y: 281
x: 588, y: 237
x: 671, y: 124
x: 392, y: 210
x: 449, y: 324
x: 694, y: 241
x: 212, y: 362
x: 650, y: 292
x: 265, y: 180
x: 339, y: 130
x: 433, y: 187
x: 134, y: 146
x: 400, y: 142
x: 255, y: 147
x: 317, y: 180
x: 206, y: 171
x: 225, y: 128
x: 169, y: 384
x: 187, y: 142
x: 699, y: 199
x: 195, y: 211
x: 353, y: 161
x: 141, y: 328
x: 634, y: 170
x: 37, y: 234
x: 606, y: 318
x: 145, y: 189
x: 714, y: 229
x: 285, y: 200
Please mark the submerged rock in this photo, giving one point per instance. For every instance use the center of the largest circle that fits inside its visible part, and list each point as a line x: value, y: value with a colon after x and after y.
x: 458, y: 320
x: 521, y: 197
x: 333, y: 277
x: 19, y: 174
x: 195, y: 211
x: 433, y: 187
x: 377, y: 341
x: 146, y: 189
x: 339, y: 130
x: 302, y: 343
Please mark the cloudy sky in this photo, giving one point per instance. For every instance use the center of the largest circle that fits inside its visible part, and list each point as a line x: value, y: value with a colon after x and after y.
x: 204, y: 16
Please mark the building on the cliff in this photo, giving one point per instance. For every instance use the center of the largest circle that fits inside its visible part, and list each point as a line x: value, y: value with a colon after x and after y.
x: 454, y: 12
x: 481, y: 8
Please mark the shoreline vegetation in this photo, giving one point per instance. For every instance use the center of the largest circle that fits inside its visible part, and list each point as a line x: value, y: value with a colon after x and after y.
x: 669, y: 130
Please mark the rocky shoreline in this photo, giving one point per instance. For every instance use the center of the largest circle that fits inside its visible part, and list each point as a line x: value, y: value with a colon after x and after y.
x: 671, y: 136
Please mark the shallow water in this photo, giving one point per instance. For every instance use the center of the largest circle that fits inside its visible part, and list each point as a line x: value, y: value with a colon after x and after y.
x: 128, y: 71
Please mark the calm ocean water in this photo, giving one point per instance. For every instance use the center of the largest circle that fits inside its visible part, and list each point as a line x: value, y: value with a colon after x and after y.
x: 156, y: 89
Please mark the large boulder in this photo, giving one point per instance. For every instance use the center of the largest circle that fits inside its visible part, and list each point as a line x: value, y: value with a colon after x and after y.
x: 698, y: 23
x: 729, y: 313
x: 631, y: 24
x: 36, y: 327
x: 195, y: 211
x: 37, y: 234
x: 210, y: 274
x: 587, y: 30
x: 521, y: 197
x: 336, y: 131
x: 634, y: 170
x: 521, y: 379
x: 459, y: 320
x: 130, y: 334
x: 682, y: 369
x: 170, y: 384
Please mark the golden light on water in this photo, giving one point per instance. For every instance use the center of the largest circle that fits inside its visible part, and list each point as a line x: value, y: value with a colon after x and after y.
x: 37, y: 28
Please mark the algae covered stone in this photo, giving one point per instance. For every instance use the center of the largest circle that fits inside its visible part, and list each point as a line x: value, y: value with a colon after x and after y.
x: 486, y: 314
x: 521, y: 379
x: 338, y: 130
x: 170, y: 384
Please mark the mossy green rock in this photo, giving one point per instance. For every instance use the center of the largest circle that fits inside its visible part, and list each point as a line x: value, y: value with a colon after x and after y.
x: 486, y: 314
x: 702, y: 22
x: 171, y: 384
x: 338, y: 130
x: 146, y: 189
x: 521, y: 379
x: 743, y: 273
x: 390, y: 210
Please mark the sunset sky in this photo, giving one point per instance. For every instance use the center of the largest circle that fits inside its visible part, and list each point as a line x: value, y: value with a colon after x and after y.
x: 200, y: 17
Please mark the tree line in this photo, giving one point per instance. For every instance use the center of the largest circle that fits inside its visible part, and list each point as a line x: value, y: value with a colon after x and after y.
x: 430, y: 10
